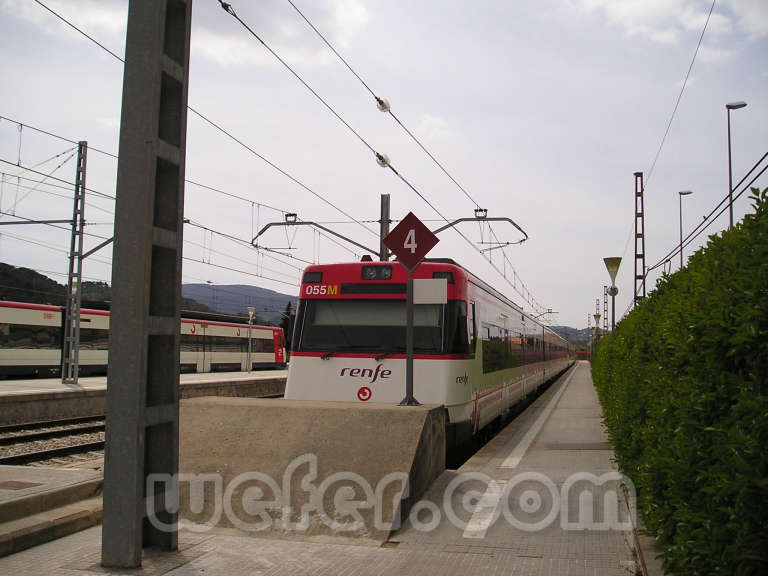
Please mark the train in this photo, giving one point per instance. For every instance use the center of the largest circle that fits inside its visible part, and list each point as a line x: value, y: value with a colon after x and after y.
x: 31, y: 337
x: 477, y: 353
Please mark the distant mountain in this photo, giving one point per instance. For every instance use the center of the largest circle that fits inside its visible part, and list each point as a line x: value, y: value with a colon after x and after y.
x: 24, y: 285
x: 576, y: 336
x: 236, y: 298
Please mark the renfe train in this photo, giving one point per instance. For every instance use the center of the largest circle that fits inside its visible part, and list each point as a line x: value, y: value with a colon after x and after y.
x: 478, y: 354
x: 31, y: 338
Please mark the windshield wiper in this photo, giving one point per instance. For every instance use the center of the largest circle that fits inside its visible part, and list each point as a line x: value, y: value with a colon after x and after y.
x: 327, y: 355
x: 381, y: 357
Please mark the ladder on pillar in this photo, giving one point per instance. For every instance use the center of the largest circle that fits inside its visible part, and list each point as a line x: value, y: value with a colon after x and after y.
x: 639, y: 238
x: 70, y: 357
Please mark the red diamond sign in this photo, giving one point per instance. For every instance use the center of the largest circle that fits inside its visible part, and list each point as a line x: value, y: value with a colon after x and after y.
x: 410, y: 241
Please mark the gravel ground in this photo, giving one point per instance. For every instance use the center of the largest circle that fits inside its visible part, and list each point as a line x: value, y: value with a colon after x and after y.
x: 67, y: 440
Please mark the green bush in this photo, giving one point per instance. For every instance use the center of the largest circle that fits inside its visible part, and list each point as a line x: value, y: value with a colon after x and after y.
x: 682, y: 382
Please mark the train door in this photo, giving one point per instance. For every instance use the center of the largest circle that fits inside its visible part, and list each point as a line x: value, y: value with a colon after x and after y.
x: 277, y: 335
x: 205, y: 349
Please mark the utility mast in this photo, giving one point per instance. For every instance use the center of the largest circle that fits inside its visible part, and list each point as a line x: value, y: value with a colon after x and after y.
x: 639, y: 238
x: 71, y: 345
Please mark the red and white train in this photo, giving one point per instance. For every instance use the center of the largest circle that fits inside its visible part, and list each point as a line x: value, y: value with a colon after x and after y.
x: 478, y: 354
x: 31, y: 338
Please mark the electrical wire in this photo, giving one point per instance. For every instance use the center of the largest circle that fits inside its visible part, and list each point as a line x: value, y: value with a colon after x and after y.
x: 72, y: 184
x: 65, y: 197
x: 216, y: 126
x: 671, y: 118
x: 707, y: 221
x: 189, y: 259
x: 383, y: 161
x: 19, y: 200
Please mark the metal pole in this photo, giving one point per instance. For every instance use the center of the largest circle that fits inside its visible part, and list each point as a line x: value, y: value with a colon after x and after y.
x: 409, y: 400
x: 71, y: 345
x: 613, y: 311
x: 680, y: 196
x: 730, y: 173
x: 251, y: 310
x: 249, y: 344
x: 384, y: 222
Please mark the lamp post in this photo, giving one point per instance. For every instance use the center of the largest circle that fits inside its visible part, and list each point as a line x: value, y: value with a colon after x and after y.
x: 597, y: 328
x: 251, y: 310
x: 731, y: 106
x: 681, y: 194
x: 612, y: 264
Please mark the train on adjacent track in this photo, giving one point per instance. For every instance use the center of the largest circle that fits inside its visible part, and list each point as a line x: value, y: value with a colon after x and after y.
x: 477, y: 353
x: 31, y: 337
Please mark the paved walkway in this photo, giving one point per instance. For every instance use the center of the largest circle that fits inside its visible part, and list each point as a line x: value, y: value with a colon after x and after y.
x: 530, y: 502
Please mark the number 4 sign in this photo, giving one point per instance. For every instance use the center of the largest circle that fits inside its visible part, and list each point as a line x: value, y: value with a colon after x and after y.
x: 410, y: 241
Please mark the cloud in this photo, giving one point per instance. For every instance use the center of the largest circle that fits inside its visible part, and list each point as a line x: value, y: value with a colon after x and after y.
x: 664, y: 21
x: 715, y: 54
x: 340, y: 21
x: 752, y: 16
x: 105, y: 19
x: 433, y: 128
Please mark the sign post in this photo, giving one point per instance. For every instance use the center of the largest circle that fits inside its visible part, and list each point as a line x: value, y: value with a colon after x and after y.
x: 410, y: 241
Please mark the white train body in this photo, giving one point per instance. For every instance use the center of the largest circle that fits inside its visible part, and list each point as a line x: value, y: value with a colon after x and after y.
x: 31, y: 337
x: 478, y: 354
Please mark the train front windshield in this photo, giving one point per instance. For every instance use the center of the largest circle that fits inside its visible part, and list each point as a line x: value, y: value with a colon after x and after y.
x: 378, y: 326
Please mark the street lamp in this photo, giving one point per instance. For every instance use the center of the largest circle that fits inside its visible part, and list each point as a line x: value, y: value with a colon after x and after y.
x: 612, y: 264
x: 731, y: 106
x: 681, y: 194
x: 597, y: 328
x: 251, y: 310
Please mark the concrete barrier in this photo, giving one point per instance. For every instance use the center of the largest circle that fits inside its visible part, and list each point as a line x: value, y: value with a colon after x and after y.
x: 306, y: 469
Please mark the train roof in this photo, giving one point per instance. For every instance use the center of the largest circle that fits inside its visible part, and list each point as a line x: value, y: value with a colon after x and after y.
x: 470, y: 277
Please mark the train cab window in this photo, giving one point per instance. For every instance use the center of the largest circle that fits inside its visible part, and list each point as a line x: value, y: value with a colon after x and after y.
x: 379, y: 326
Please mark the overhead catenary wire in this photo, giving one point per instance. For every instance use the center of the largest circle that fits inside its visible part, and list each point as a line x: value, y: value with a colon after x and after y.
x: 17, y: 201
x: 385, y: 107
x: 710, y: 218
x: 671, y: 118
x: 241, y: 143
x: 218, y: 127
x: 707, y: 220
x: 27, y: 169
x: 382, y: 159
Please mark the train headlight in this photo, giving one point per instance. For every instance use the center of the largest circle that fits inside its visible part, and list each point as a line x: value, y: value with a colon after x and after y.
x: 377, y: 272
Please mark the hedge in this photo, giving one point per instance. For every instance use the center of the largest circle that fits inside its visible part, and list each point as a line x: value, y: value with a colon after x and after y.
x: 682, y: 382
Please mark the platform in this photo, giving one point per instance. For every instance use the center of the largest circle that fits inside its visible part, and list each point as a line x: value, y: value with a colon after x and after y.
x: 495, y: 515
x: 39, y: 399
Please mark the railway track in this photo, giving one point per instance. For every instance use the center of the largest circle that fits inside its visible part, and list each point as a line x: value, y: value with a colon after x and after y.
x: 38, y: 442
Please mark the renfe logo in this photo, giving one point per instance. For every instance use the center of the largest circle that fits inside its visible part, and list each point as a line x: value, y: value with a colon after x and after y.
x: 366, y: 373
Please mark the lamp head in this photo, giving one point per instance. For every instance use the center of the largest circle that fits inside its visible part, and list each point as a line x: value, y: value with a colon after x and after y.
x: 735, y: 105
x: 685, y: 192
x: 612, y: 264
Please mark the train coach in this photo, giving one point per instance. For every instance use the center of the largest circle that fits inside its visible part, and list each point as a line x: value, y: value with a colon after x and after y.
x: 31, y: 338
x: 478, y: 354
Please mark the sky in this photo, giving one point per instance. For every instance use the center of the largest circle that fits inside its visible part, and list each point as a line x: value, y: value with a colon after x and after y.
x: 542, y: 110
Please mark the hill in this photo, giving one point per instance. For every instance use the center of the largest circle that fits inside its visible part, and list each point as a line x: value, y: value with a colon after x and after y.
x: 576, y: 336
x: 24, y: 285
x: 235, y: 299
